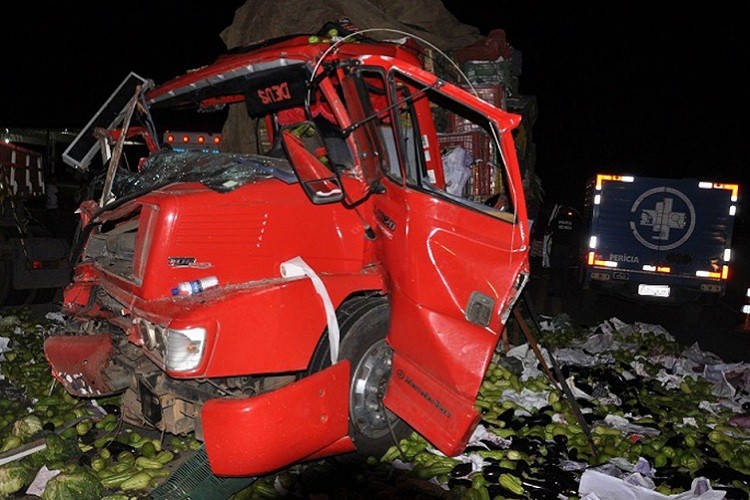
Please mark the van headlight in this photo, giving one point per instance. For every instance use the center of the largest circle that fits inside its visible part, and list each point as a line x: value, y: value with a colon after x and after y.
x: 184, y: 348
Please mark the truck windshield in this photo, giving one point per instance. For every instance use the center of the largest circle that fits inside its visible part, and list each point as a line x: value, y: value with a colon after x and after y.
x: 221, y: 172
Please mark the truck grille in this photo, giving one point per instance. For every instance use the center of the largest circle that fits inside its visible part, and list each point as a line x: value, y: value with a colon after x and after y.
x: 112, y: 247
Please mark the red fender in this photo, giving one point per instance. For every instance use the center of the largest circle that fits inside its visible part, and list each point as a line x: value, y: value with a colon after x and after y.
x: 257, y: 435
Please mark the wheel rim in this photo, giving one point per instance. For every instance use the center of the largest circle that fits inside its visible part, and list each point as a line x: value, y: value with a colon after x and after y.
x: 369, y: 382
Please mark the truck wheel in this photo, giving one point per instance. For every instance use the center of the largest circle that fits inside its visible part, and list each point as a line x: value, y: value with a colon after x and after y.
x: 364, y: 325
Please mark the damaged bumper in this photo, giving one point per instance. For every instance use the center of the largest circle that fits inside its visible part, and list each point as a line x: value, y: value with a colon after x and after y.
x: 78, y: 363
x: 304, y: 420
x: 307, y: 419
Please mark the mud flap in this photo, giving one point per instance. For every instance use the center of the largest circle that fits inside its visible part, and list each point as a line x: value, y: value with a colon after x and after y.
x: 78, y: 362
x: 257, y: 435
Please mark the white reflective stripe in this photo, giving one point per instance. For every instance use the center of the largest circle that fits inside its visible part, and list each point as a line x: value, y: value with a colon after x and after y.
x: 746, y: 309
x: 295, y: 268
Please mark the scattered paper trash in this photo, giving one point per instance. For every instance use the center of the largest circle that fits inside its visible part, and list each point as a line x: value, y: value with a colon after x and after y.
x: 595, y: 485
x: 40, y: 481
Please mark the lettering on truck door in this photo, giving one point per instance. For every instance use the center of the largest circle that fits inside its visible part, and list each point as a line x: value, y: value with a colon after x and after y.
x: 451, y: 262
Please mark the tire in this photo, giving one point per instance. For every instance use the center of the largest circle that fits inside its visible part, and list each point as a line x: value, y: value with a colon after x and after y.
x: 363, y: 323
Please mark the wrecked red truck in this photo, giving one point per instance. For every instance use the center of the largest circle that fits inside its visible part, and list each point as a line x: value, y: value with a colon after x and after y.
x: 338, y: 287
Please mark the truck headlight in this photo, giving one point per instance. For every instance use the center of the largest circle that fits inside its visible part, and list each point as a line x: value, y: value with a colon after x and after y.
x: 184, y: 348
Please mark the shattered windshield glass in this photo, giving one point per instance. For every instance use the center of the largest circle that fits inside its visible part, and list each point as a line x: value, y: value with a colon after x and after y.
x: 221, y: 172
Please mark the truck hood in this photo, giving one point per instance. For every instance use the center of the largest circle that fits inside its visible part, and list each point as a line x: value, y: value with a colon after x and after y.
x: 221, y: 172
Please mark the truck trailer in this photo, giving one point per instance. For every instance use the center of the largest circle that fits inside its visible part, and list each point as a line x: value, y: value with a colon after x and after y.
x: 33, y: 262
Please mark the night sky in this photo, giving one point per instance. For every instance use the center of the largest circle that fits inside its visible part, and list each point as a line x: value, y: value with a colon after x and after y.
x: 623, y: 87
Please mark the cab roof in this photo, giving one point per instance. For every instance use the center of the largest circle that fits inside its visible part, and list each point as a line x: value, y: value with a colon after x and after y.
x: 225, y: 79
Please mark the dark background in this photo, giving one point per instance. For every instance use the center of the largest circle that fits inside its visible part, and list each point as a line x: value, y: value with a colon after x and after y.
x: 625, y: 87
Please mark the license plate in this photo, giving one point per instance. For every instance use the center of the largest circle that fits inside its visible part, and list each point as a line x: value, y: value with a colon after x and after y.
x: 653, y: 290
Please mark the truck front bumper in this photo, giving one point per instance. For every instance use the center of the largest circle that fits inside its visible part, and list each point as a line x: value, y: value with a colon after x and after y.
x: 304, y: 420
x: 78, y: 363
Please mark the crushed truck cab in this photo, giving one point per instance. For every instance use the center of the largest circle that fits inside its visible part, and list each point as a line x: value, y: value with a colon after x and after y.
x: 357, y: 288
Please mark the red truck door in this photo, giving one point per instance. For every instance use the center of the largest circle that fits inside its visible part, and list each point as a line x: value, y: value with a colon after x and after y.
x: 453, y: 264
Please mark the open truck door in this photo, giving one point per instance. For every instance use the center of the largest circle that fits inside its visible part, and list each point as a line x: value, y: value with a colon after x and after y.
x: 454, y: 264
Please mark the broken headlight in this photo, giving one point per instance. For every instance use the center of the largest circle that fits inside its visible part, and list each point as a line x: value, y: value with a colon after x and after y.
x: 184, y: 348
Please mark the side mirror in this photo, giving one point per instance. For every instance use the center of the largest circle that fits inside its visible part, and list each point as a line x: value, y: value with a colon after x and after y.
x: 304, y: 149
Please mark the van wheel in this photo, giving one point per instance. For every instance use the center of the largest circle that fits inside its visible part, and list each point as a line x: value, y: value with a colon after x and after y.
x: 372, y: 427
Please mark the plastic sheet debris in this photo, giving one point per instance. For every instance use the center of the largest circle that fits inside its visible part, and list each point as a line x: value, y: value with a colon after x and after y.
x: 575, y: 356
x: 44, y: 475
x: 622, y: 424
x: 526, y: 398
x: 457, y: 166
x: 528, y: 359
x: 4, y: 342
x: 481, y: 434
x: 596, y: 485
x: 55, y: 316
x: 559, y: 322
